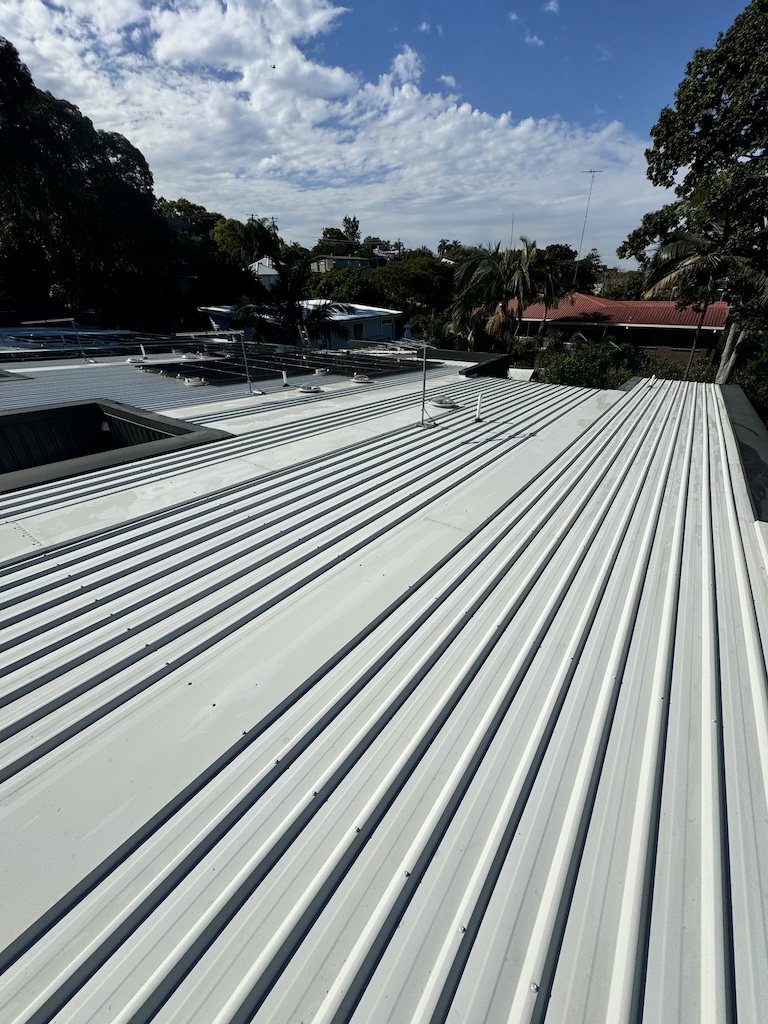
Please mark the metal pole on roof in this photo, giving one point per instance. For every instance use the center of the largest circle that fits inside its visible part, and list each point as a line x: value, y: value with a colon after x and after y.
x: 245, y: 361
x: 424, y: 414
x: 584, y: 225
x: 80, y: 342
x: 424, y: 383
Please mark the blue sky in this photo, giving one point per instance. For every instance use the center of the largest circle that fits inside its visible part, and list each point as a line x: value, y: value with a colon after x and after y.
x: 425, y: 120
x: 582, y: 60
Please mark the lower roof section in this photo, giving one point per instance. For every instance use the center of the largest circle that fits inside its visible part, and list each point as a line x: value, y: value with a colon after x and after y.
x: 466, y: 723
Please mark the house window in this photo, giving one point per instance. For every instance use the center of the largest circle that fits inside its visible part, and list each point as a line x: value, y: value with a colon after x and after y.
x: 357, y: 331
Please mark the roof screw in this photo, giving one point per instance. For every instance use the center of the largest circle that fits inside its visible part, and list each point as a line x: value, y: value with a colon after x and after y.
x: 462, y: 928
x: 407, y: 874
x: 534, y: 987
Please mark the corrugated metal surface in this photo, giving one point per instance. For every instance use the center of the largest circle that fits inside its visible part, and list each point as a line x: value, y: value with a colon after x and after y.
x: 467, y: 724
x: 113, y: 379
x: 271, y: 421
x: 641, y: 313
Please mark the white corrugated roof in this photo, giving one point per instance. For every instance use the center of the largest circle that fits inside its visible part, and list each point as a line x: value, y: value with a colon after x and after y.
x: 455, y: 724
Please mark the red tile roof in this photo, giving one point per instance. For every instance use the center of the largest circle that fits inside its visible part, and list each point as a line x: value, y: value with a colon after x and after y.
x: 591, y: 309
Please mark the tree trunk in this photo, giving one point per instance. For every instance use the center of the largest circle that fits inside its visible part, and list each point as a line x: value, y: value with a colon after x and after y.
x: 730, y: 353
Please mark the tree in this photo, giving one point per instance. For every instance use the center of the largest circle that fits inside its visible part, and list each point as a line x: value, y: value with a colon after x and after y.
x: 351, y: 228
x: 498, y: 284
x: 280, y: 314
x: 622, y: 285
x: 712, y: 146
x: 197, y: 219
x: 344, y: 286
x: 717, y: 131
x: 333, y: 242
x: 231, y: 240
x: 415, y: 282
x: 76, y: 203
x: 371, y: 243
x: 450, y: 249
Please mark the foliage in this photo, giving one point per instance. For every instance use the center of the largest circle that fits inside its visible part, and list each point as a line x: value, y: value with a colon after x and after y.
x: 76, y: 204
x: 343, y: 241
x: 655, y: 228
x: 712, y: 146
x: 597, y: 364
x: 622, y: 285
x: 230, y: 238
x: 345, y: 285
x: 241, y: 245
x: 416, y: 283
x: 371, y: 243
x: 753, y: 379
x: 716, y: 133
x: 351, y: 228
x: 279, y: 314
x: 290, y: 252
x: 451, y: 250
x: 570, y: 274
x: 195, y: 218
x: 496, y: 285
x: 701, y: 370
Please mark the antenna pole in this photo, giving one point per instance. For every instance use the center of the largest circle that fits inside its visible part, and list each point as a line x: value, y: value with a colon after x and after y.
x: 584, y: 225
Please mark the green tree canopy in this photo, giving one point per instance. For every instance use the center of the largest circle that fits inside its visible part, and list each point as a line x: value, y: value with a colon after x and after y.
x: 75, y: 203
x: 497, y: 285
x: 344, y: 286
x: 351, y: 228
x: 333, y: 242
x: 717, y: 131
x: 712, y: 147
x: 416, y: 282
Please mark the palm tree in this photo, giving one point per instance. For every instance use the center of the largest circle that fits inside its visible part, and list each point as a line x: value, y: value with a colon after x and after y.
x: 698, y: 267
x: 281, y: 313
x: 498, y: 284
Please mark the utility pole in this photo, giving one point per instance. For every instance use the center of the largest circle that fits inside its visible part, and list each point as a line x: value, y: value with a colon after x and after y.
x: 584, y: 225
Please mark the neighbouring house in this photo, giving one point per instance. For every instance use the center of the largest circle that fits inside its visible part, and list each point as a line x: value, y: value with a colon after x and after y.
x: 264, y: 271
x: 357, y: 325
x: 655, y: 325
x: 366, y: 265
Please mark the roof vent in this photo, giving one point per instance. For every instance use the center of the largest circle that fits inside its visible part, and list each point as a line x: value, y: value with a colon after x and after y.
x: 443, y: 402
x: 309, y: 389
x: 361, y: 378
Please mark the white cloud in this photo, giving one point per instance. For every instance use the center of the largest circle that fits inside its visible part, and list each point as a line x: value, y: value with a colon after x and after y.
x: 406, y: 67
x: 551, y: 7
x: 533, y: 40
x: 190, y: 84
x: 513, y: 17
x: 424, y: 26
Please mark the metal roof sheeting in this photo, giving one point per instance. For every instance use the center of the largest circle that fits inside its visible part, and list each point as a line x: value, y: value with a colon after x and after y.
x: 462, y: 724
x: 658, y: 313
